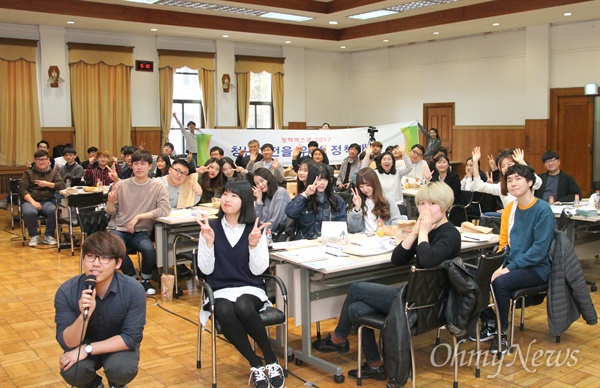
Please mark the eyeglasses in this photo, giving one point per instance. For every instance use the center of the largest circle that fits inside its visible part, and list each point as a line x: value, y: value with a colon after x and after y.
x: 90, y: 258
x: 41, y: 159
x: 416, y: 153
x: 179, y: 172
x: 553, y: 160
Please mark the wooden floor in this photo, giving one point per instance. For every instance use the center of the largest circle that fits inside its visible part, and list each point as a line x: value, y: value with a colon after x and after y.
x: 29, y: 278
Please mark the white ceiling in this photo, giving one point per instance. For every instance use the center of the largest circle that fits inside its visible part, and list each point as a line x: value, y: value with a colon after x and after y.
x: 589, y: 10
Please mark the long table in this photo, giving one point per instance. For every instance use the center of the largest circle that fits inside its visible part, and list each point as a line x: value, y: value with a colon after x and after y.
x: 317, y: 292
x: 576, y: 222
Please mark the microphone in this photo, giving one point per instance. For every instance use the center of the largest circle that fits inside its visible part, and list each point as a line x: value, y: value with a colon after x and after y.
x: 90, y: 284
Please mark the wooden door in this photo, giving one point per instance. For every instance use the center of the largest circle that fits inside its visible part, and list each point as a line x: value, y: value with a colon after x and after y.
x: 573, y: 134
x: 440, y: 116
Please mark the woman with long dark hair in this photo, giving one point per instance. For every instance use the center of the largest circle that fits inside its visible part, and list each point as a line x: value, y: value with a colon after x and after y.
x: 233, y: 253
x: 370, y: 204
x: 230, y: 170
x: 270, y: 199
x: 211, y: 180
x: 317, y: 203
x: 163, y: 163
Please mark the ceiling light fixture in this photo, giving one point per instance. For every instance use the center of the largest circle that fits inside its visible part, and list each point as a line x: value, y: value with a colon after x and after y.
x: 285, y: 16
x: 154, y: 29
x: 386, y: 40
x: 567, y: 14
x: 70, y: 22
x: 225, y: 36
x: 144, y: 1
x: 288, y: 41
x: 372, y: 14
x: 333, y: 22
x: 436, y: 33
x: 342, y: 47
x: 495, y: 24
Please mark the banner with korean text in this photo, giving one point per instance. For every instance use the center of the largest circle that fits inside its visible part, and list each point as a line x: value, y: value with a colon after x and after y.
x: 336, y: 141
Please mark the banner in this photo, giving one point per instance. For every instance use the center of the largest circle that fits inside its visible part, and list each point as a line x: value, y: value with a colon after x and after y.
x: 336, y: 141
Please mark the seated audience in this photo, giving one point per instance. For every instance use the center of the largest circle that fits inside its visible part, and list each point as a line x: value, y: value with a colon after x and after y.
x: 350, y: 165
x: 182, y: 187
x: 317, y: 203
x: 370, y: 204
x: 442, y: 173
x: 126, y: 171
x: 210, y: 178
x: 132, y: 219
x: 110, y: 318
x: 217, y: 152
x: 91, y: 158
x: 318, y: 157
x: 526, y: 230
x: 504, y: 161
x: 376, y: 148
x: 555, y: 182
x: 270, y: 199
x: 99, y: 173
x: 230, y: 170
x: 433, y: 240
x: 297, y: 159
x: 163, y: 164
x: 244, y: 157
x: 42, y: 145
x: 71, y: 173
x: 267, y: 162
x: 416, y: 158
x: 169, y: 149
x: 389, y: 177
x: 36, y: 188
x: 233, y: 254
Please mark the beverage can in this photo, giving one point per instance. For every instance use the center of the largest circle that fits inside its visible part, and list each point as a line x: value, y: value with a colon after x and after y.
x: 551, y: 199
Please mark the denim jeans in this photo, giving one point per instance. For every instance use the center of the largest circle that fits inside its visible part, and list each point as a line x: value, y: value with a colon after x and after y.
x: 503, y: 285
x: 30, y: 214
x: 140, y: 242
x: 365, y: 299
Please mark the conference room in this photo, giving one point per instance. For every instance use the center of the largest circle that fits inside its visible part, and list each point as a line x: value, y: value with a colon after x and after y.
x: 493, y: 74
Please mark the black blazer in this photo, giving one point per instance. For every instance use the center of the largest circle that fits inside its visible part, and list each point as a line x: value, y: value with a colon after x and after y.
x: 567, y: 188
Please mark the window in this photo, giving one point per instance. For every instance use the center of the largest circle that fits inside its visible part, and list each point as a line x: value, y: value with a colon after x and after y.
x: 260, y: 114
x: 187, y: 104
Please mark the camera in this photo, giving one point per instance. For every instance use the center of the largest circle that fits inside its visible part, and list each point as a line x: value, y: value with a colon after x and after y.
x: 371, y: 131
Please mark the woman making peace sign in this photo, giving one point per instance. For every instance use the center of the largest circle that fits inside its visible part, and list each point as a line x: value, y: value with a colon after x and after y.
x: 233, y: 253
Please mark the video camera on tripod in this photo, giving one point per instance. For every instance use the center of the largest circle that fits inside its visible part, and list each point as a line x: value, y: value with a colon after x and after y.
x: 371, y: 131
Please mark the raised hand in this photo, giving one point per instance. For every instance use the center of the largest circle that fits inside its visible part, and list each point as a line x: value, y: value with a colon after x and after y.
x: 201, y: 169
x: 356, y: 200
x: 257, y: 194
x: 114, y: 176
x: 241, y: 152
x: 492, y: 162
x: 256, y: 232
x: 519, y: 156
x: 368, y: 151
x: 427, y: 173
x: 490, y: 178
x: 426, y: 222
x: 310, y: 189
x: 297, y: 152
x: 275, y: 163
x: 476, y: 154
x: 205, y: 230
x: 113, y: 195
x: 189, y: 157
x: 324, y: 148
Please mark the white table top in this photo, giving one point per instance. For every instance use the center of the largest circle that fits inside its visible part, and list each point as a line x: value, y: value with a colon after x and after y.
x: 186, y: 216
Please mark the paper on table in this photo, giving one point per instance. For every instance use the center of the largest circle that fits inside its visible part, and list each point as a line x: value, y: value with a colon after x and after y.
x: 371, y: 246
x: 477, y: 237
x: 304, y: 255
x: 286, y: 245
x: 329, y: 263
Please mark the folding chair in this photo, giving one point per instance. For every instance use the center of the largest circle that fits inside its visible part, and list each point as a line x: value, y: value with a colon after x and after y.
x: 74, y: 201
x: 13, y: 200
x: 425, y: 296
x: 271, y: 317
x: 91, y: 219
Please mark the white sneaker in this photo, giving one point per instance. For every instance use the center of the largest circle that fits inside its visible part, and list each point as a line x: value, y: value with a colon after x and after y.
x: 34, y: 241
x: 49, y: 240
x: 276, y: 375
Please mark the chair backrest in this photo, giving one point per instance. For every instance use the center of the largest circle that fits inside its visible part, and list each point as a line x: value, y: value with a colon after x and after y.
x: 85, y: 200
x: 91, y: 219
x: 487, y: 265
x: 14, y: 185
x: 491, y: 222
x: 563, y: 221
x: 426, y: 295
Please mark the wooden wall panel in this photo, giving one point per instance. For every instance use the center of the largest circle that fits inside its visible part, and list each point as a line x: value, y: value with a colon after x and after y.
x: 149, y: 136
x: 56, y: 136
x: 536, y: 140
x: 489, y: 138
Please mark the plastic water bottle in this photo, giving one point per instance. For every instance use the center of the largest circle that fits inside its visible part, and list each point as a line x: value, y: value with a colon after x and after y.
x: 269, y: 238
x: 380, y: 232
x: 576, y: 203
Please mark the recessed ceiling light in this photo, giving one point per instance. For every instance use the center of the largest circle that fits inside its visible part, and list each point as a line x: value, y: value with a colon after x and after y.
x: 143, y: 1
x: 225, y: 36
x: 333, y: 22
x: 154, y: 29
x: 285, y: 16
x: 288, y: 41
x: 436, y: 33
x: 70, y: 22
x: 386, y: 40
x: 567, y: 14
x: 373, y: 14
x: 495, y: 24
x: 342, y: 47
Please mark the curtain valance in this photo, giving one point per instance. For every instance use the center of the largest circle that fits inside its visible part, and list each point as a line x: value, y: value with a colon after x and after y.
x: 14, y: 49
x: 245, y: 64
x: 178, y: 59
x: 97, y: 53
